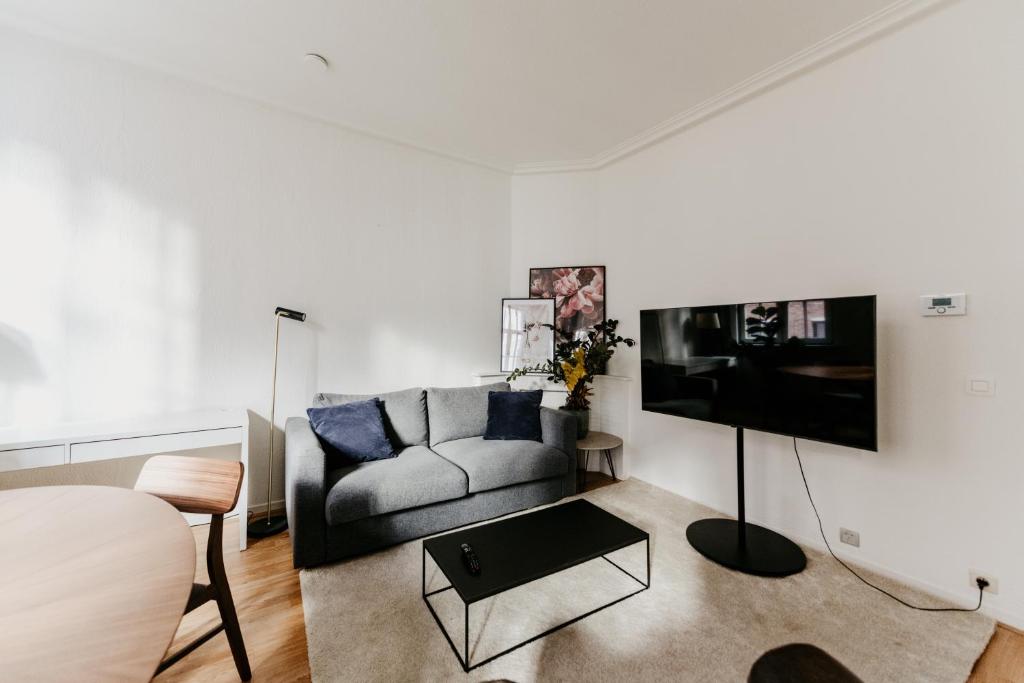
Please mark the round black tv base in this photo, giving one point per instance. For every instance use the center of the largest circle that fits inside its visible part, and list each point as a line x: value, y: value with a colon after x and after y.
x: 751, y: 549
x: 264, y: 527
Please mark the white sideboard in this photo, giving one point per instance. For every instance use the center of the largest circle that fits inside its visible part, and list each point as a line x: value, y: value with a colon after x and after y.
x: 73, y: 443
x: 609, y: 408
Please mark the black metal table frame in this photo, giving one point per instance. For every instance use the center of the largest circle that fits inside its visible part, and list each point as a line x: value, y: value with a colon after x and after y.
x: 585, y: 452
x: 464, y: 661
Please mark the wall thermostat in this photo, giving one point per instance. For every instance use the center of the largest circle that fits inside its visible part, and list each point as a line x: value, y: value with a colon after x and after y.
x: 944, y: 304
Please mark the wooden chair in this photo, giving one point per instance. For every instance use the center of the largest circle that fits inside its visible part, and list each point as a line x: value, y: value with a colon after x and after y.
x: 210, y: 487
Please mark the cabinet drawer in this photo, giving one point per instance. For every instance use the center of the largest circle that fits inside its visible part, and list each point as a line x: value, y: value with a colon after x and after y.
x: 90, y: 451
x: 27, y: 458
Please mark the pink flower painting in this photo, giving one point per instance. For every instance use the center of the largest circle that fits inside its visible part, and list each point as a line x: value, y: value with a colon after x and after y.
x: 579, y: 297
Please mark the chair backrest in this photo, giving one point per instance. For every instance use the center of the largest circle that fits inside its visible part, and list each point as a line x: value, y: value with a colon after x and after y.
x: 199, y: 485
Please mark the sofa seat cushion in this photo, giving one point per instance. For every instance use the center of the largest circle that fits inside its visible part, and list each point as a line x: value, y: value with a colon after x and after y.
x: 417, y: 477
x: 493, y: 464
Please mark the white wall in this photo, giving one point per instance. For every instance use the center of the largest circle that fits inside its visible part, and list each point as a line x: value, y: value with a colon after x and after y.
x: 896, y: 170
x: 149, y: 227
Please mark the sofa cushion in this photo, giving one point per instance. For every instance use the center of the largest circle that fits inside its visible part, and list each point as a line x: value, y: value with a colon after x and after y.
x: 493, y: 464
x: 460, y: 412
x: 416, y: 477
x: 514, y: 415
x: 405, y: 413
x: 354, y: 430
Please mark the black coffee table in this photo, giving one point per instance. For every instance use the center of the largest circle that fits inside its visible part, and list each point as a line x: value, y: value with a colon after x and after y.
x: 521, y: 549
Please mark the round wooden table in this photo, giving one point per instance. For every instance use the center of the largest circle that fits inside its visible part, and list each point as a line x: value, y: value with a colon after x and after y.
x: 93, y: 583
x: 597, y: 441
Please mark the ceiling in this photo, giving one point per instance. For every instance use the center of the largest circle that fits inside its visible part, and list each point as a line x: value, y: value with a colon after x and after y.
x: 499, y: 82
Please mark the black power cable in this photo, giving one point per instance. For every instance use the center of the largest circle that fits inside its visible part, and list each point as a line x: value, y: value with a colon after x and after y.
x: 982, y: 584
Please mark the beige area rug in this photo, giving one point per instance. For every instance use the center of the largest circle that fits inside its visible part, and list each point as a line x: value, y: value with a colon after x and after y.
x: 366, y: 620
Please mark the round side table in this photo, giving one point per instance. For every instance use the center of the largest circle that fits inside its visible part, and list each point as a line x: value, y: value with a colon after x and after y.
x: 597, y: 441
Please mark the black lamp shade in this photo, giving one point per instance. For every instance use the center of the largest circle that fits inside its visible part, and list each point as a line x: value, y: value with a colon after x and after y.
x: 289, y: 313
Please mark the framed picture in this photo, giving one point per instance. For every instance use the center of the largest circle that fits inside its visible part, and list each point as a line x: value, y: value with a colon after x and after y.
x: 527, y: 334
x: 579, y: 294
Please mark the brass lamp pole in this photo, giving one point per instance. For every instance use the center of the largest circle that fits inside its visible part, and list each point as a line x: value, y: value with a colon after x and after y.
x: 271, y: 525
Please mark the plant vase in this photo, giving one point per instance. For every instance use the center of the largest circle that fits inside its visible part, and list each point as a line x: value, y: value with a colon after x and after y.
x: 575, y: 362
x: 582, y: 421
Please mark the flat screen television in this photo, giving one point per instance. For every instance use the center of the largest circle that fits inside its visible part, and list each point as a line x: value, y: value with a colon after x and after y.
x: 801, y: 368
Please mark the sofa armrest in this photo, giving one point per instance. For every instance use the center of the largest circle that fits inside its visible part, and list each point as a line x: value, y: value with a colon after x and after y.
x: 558, y: 430
x: 305, y: 474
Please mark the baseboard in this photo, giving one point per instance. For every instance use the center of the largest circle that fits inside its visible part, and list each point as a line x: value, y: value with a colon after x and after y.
x: 1004, y: 617
x: 276, y: 507
x: 1009, y: 619
x: 1010, y: 627
x: 196, y: 519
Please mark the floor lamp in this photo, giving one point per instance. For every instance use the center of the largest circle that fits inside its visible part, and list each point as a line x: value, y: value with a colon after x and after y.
x: 271, y: 525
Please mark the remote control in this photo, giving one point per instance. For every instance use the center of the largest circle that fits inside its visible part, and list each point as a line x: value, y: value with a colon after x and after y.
x: 470, y: 559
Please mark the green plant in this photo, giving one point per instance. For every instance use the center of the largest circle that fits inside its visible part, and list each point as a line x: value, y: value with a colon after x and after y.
x: 577, y: 361
x: 763, y: 324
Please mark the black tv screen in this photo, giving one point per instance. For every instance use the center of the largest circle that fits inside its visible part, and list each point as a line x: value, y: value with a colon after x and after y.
x: 801, y: 368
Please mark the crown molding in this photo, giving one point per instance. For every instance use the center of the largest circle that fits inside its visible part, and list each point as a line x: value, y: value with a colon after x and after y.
x: 807, y: 59
x: 853, y: 36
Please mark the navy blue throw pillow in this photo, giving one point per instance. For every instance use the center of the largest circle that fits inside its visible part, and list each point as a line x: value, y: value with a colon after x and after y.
x: 355, y: 430
x: 514, y: 415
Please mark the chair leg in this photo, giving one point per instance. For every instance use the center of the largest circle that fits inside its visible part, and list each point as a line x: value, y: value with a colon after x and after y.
x: 219, y: 580
x: 611, y: 465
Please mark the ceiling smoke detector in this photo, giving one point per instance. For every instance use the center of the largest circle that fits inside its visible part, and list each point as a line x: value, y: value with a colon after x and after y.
x: 315, y: 61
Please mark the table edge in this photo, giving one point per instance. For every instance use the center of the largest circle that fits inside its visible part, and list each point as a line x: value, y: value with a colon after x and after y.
x: 646, y: 536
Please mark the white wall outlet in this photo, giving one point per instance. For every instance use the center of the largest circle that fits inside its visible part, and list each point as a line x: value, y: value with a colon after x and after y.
x: 849, y: 537
x: 981, y: 386
x: 993, y: 583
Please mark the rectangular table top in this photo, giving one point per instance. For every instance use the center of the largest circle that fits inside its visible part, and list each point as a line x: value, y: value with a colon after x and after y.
x: 527, y: 547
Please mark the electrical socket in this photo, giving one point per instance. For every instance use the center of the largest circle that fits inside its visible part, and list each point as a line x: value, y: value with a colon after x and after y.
x: 993, y: 584
x: 849, y: 537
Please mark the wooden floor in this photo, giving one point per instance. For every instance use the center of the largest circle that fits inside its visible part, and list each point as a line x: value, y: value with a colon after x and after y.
x: 269, y: 604
x: 1003, y: 660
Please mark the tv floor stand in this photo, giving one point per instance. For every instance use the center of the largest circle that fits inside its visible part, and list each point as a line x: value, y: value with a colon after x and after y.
x: 748, y: 548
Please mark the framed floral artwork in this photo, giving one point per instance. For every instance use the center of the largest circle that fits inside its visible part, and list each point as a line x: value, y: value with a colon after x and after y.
x: 579, y: 294
x: 527, y: 333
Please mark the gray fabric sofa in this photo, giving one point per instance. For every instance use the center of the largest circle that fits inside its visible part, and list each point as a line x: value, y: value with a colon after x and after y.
x: 446, y: 474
